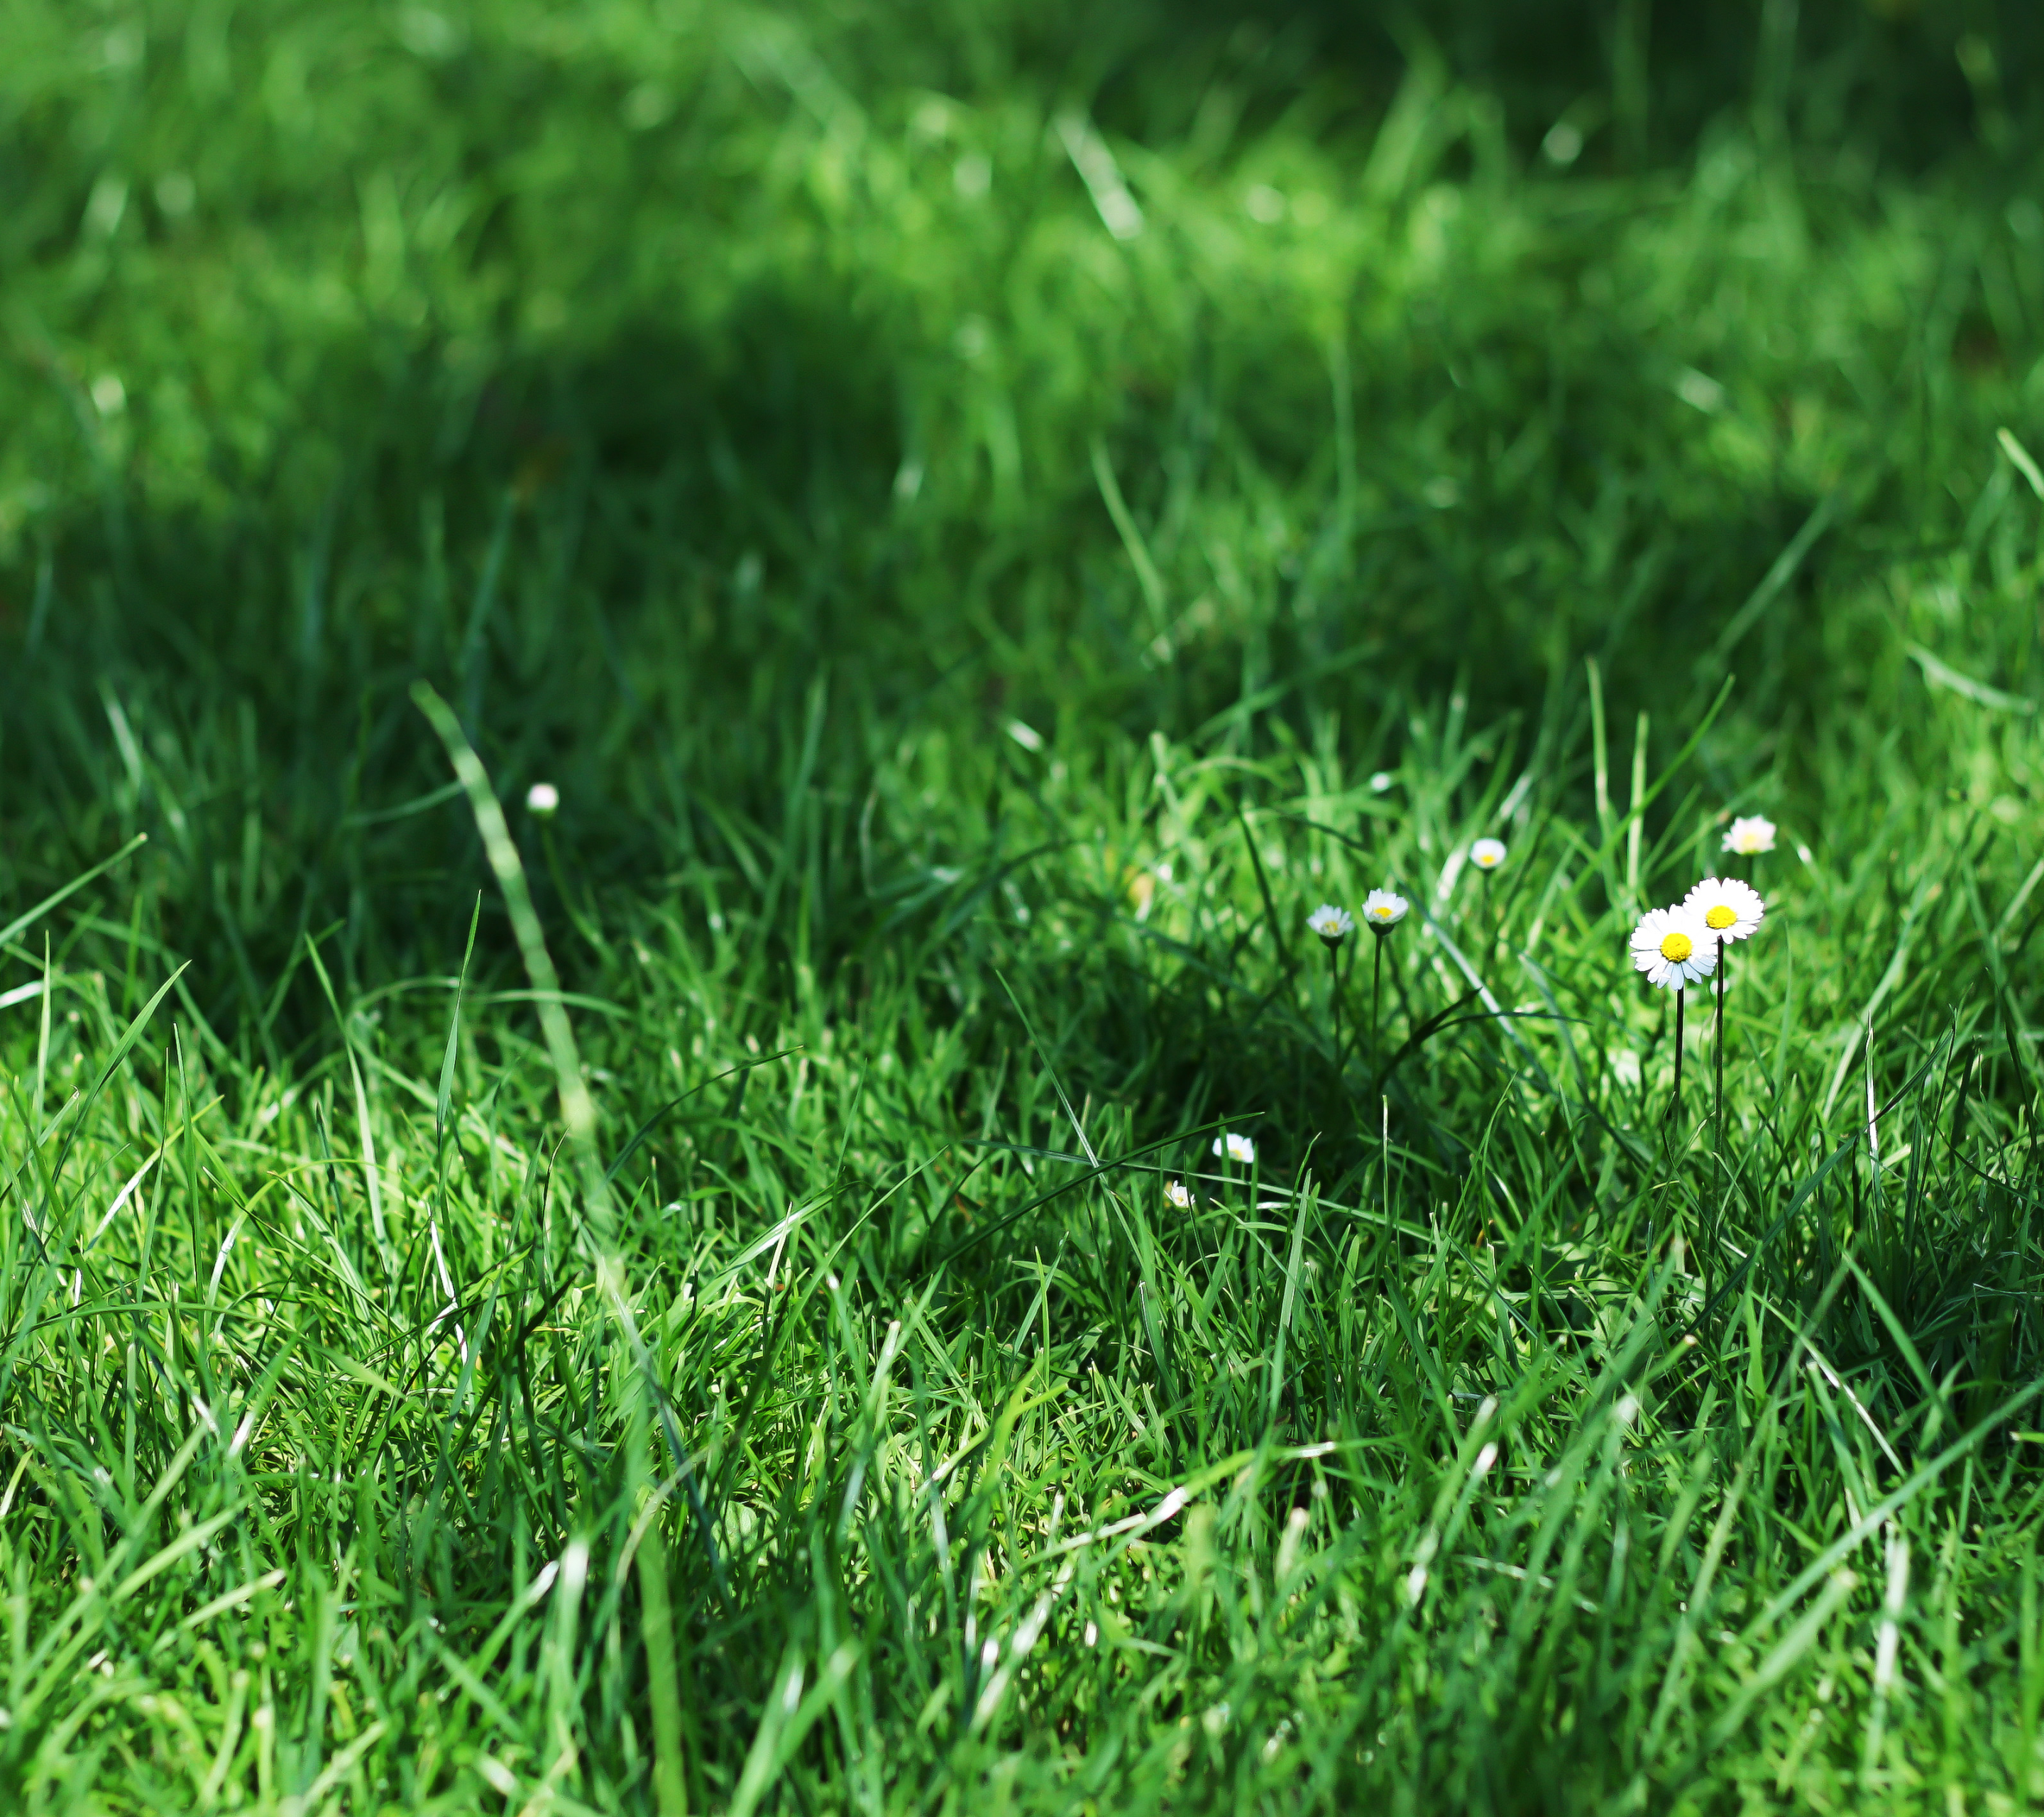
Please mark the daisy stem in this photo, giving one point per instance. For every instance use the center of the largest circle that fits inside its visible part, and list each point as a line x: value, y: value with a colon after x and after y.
x: 1377, y: 1001
x: 1717, y: 1127
x: 1675, y: 1107
x: 1334, y: 997
x: 1717, y: 1045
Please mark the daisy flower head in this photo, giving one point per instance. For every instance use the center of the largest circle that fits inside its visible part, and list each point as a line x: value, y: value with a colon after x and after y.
x: 1333, y: 925
x: 1749, y: 835
x: 1176, y: 1197
x: 1384, y: 910
x: 1731, y: 909
x: 1487, y: 855
x: 542, y: 799
x: 1673, y: 947
x: 1237, y: 1148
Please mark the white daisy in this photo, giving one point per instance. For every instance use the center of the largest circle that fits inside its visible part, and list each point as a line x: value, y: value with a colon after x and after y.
x: 542, y: 799
x: 1731, y: 909
x: 1749, y: 835
x: 1384, y: 910
x: 1237, y: 1148
x: 1673, y: 947
x: 1176, y: 1196
x: 1487, y: 855
x: 1332, y: 925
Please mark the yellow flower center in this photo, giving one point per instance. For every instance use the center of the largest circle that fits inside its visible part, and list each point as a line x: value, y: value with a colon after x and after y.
x: 1719, y: 916
x: 1677, y: 946
x: 1382, y: 910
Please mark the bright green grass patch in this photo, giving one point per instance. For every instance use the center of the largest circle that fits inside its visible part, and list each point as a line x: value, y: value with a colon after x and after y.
x: 1485, y: 1437
x: 987, y: 525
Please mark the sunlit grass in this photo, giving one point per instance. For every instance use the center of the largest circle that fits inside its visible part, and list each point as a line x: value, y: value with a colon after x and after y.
x: 856, y: 1252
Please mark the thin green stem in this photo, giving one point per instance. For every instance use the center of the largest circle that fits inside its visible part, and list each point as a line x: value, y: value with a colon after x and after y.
x: 1717, y: 1047
x: 1675, y: 1104
x: 1377, y: 1003
x: 1334, y: 997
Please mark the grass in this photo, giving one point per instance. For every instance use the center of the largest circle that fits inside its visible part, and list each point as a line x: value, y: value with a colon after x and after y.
x: 989, y: 516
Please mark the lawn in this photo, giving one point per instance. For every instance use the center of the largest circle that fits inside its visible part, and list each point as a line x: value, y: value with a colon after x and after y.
x: 867, y: 1258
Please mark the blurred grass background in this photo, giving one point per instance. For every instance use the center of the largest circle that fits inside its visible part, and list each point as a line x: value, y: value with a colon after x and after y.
x: 959, y: 498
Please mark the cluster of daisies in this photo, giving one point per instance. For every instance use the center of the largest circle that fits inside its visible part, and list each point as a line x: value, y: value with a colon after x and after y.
x: 1673, y: 946
x: 1680, y: 945
x: 1383, y: 909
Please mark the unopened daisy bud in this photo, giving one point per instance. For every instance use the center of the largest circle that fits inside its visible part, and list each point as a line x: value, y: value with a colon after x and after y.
x: 1384, y: 910
x: 1176, y: 1197
x: 1333, y: 925
x: 1731, y: 909
x: 1237, y: 1148
x: 542, y: 800
x: 1487, y: 855
x: 1749, y: 835
x: 1673, y: 947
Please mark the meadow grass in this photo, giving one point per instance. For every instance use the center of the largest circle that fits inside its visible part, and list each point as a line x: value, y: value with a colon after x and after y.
x: 734, y: 1296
